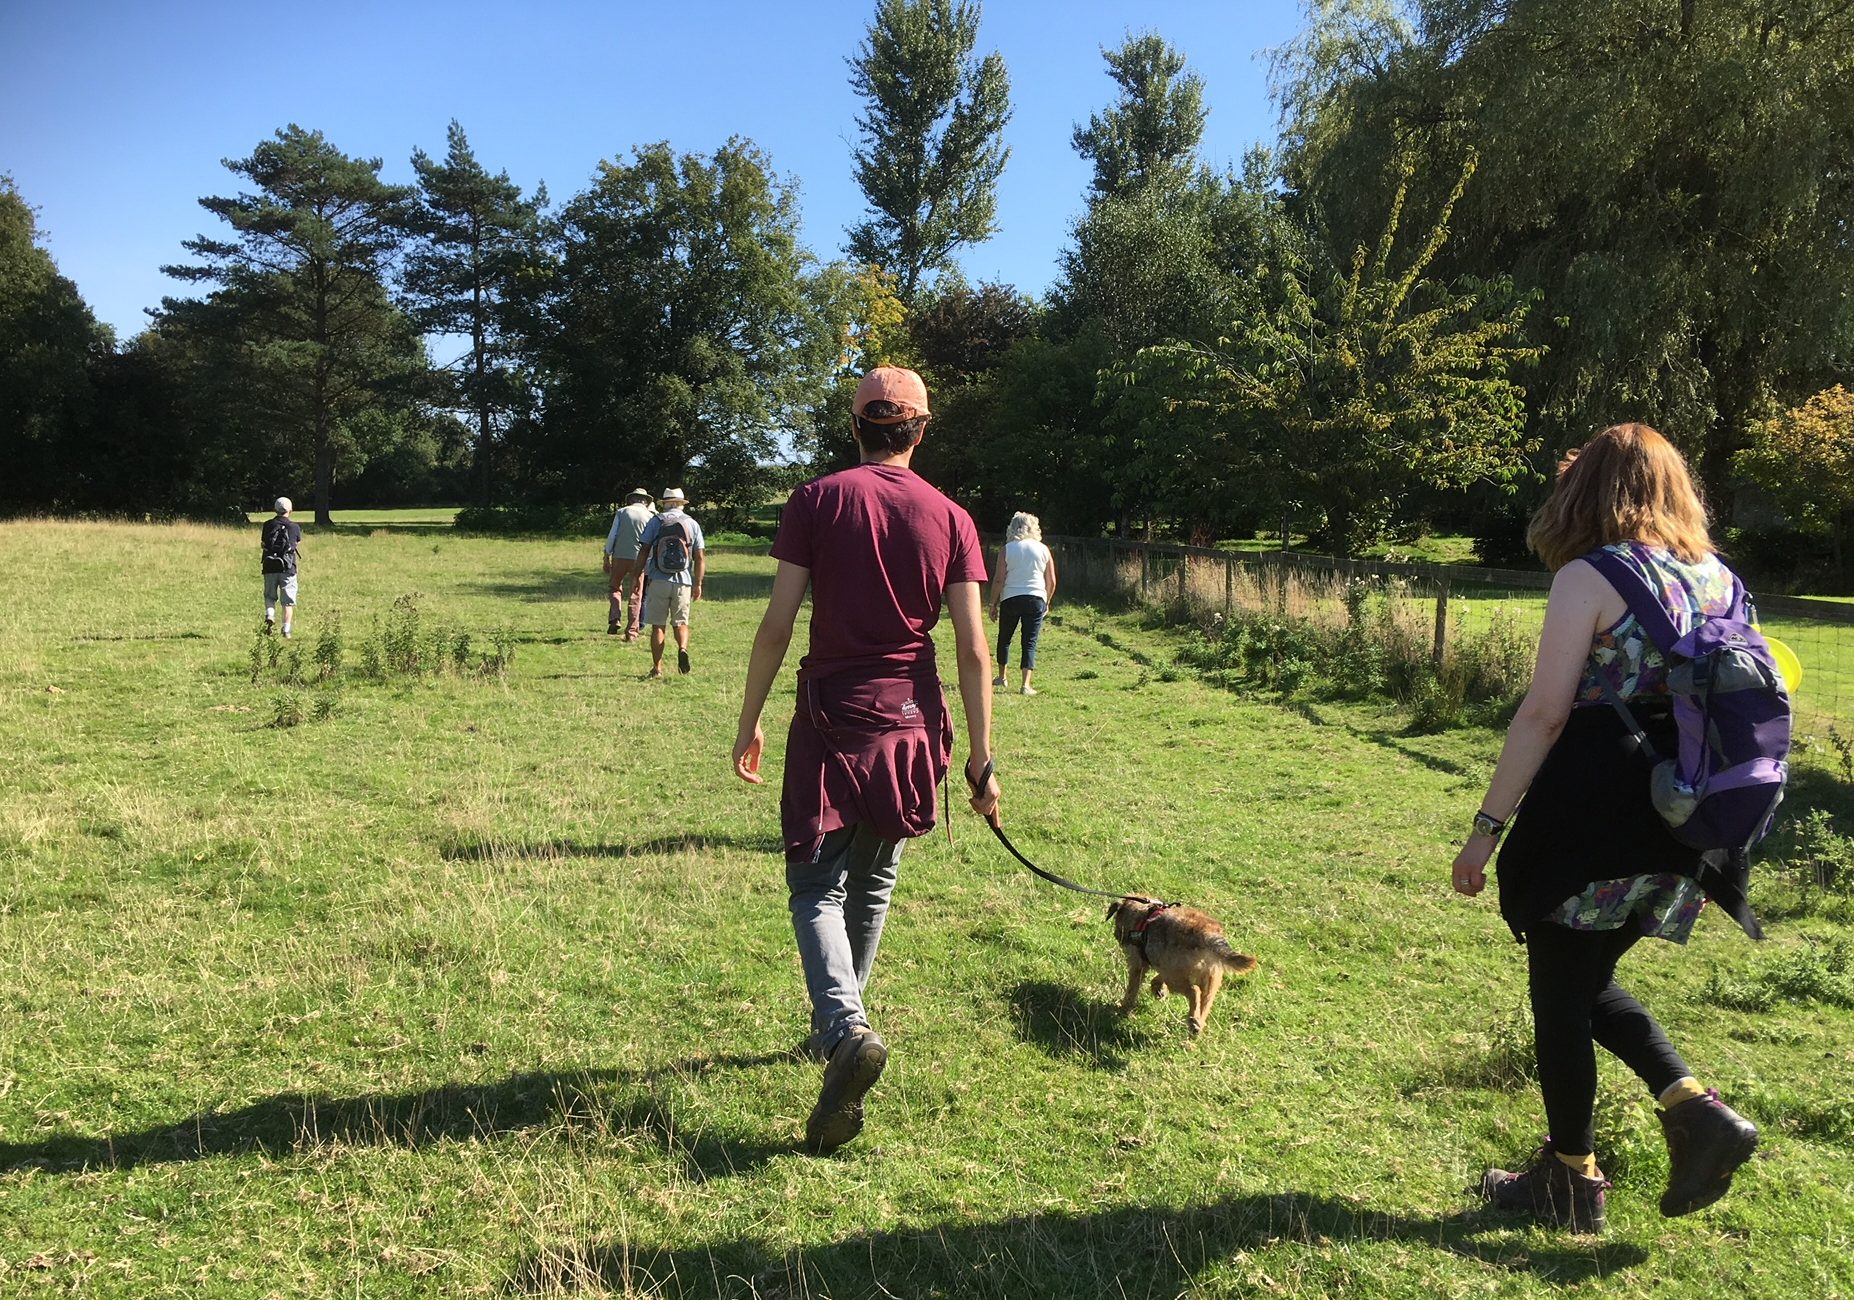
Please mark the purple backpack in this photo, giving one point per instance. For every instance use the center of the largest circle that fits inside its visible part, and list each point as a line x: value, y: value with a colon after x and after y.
x: 1721, y: 790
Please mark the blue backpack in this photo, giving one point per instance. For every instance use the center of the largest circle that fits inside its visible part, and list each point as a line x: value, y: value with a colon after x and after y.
x: 1720, y: 791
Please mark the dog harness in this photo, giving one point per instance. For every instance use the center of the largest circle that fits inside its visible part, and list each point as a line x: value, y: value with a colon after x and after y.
x: 1139, y: 931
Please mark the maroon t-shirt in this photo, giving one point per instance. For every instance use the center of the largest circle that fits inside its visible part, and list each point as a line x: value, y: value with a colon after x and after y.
x: 872, y: 735
x: 882, y: 544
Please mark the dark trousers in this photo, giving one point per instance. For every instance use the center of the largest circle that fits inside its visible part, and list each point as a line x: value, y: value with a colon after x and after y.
x: 1576, y: 1004
x: 1026, y: 611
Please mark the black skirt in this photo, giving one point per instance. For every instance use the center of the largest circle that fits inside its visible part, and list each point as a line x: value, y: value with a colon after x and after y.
x: 1588, y: 817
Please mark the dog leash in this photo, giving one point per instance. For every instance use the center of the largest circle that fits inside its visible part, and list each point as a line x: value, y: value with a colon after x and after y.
x: 997, y: 828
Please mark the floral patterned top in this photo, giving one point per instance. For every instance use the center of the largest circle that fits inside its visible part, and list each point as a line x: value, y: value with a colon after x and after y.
x: 1621, y: 654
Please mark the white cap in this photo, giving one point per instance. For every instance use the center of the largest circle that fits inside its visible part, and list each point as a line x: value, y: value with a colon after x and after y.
x: 283, y: 506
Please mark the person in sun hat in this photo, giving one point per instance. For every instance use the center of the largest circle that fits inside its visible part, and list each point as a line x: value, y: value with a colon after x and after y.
x: 670, y: 557
x: 880, y: 551
x: 279, y: 544
x: 621, y: 543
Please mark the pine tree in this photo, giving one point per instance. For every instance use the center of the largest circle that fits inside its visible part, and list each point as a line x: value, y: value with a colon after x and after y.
x: 478, y: 238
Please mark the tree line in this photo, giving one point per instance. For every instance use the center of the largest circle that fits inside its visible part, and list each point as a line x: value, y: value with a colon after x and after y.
x: 1487, y: 228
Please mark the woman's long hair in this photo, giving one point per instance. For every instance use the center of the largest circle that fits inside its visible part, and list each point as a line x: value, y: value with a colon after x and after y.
x: 1023, y: 525
x: 1628, y: 484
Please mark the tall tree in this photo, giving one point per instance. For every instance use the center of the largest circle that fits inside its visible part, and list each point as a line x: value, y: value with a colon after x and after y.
x: 961, y: 335
x: 690, y: 332
x: 1150, y: 136
x: 49, y: 344
x: 304, y: 275
x: 932, y: 137
x: 478, y: 238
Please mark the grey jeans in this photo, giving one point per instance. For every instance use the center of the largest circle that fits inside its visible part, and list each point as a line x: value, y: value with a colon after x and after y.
x: 839, y: 902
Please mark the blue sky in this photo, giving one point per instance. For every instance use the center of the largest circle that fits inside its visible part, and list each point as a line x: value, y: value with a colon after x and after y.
x: 114, y: 117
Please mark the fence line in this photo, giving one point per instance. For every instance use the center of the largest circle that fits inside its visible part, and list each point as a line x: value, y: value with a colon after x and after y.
x: 1446, y: 600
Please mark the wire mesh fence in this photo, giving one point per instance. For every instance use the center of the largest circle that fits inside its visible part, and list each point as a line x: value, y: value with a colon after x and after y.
x: 1447, y: 611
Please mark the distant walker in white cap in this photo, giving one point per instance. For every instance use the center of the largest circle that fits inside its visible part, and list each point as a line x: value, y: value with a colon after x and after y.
x: 670, y: 555
x: 626, y: 602
x: 281, y: 540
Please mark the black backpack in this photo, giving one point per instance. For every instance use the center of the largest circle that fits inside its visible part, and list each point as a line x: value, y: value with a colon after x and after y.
x: 670, y: 552
x: 278, y: 548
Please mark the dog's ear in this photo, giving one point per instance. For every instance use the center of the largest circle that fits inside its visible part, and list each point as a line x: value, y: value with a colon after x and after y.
x: 1113, y: 908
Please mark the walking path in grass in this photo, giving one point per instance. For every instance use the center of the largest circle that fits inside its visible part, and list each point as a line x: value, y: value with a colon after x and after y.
x: 479, y: 983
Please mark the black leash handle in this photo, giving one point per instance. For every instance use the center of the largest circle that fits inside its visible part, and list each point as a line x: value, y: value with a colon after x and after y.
x: 997, y: 828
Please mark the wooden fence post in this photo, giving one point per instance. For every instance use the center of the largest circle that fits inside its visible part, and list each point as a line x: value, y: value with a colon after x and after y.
x: 1229, y: 586
x: 1184, y: 576
x: 1441, y: 623
x: 1145, y: 573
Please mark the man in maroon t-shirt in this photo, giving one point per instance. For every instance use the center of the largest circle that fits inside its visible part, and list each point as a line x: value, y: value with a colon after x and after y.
x: 879, y: 550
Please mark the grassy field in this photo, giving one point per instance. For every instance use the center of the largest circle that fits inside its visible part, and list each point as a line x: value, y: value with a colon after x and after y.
x: 481, y: 983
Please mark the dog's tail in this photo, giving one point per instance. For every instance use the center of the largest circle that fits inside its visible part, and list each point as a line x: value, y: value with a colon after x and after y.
x: 1232, y: 960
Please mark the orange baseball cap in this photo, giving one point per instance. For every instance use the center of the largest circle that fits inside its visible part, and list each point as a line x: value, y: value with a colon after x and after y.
x: 891, y: 384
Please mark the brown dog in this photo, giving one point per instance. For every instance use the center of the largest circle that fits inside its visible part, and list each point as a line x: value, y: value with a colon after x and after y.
x: 1184, y: 948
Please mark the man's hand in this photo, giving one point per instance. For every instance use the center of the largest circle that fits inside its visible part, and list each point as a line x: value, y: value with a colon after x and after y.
x: 696, y: 594
x: 984, y: 798
x: 747, y: 756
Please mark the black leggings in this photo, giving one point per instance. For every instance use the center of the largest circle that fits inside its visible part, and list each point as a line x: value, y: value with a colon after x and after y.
x: 1576, y: 1003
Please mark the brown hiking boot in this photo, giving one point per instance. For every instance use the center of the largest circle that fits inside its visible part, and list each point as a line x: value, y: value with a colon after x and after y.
x: 854, y: 1066
x: 1706, y: 1142
x: 1551, y: 1192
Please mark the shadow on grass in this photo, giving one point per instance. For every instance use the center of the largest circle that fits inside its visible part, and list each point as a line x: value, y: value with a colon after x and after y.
x: 1390, y: 740
x: 1069, y: 1026
x: 586, y: 1102
x: 139, y: 636
x: 592, y: 585
x: 1160, y: 1250
x: 494, y: 850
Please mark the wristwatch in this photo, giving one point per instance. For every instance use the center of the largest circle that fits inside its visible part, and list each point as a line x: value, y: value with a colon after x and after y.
x: 1488, y: 825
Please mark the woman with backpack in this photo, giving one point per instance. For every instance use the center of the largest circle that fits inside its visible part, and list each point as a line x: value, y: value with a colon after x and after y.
x: 1590, y: 866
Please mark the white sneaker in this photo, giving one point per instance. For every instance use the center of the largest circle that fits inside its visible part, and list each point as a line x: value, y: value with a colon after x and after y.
x: 1027, y: 690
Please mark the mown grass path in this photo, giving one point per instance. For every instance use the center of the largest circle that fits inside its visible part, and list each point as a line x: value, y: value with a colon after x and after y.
x: 486, y: 987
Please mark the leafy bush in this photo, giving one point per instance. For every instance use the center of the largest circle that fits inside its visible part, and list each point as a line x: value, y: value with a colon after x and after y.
x: 286, y: 709
x: 1378, y: 652
x: 553, y: 520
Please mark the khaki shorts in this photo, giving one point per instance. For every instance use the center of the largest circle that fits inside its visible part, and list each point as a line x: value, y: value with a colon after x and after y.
x: 666, y: 603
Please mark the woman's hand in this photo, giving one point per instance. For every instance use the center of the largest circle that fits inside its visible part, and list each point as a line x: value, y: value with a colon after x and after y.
x: 1470, y: 870
x: 994, y: 611
x: 747, y: 756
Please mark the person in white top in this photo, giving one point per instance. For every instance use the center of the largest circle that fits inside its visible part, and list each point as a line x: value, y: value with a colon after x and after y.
x: 1021, y: 589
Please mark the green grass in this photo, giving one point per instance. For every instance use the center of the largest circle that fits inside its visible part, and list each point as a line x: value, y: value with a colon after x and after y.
x: 484, y: 985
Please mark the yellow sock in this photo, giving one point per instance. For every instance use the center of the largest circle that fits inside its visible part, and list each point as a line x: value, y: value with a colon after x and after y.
x: 1585, y: 1165
x: 1684, y: 1090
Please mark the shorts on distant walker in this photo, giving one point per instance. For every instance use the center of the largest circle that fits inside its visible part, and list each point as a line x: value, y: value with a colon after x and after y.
x: 666, y: 603
x: 280, y: 584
